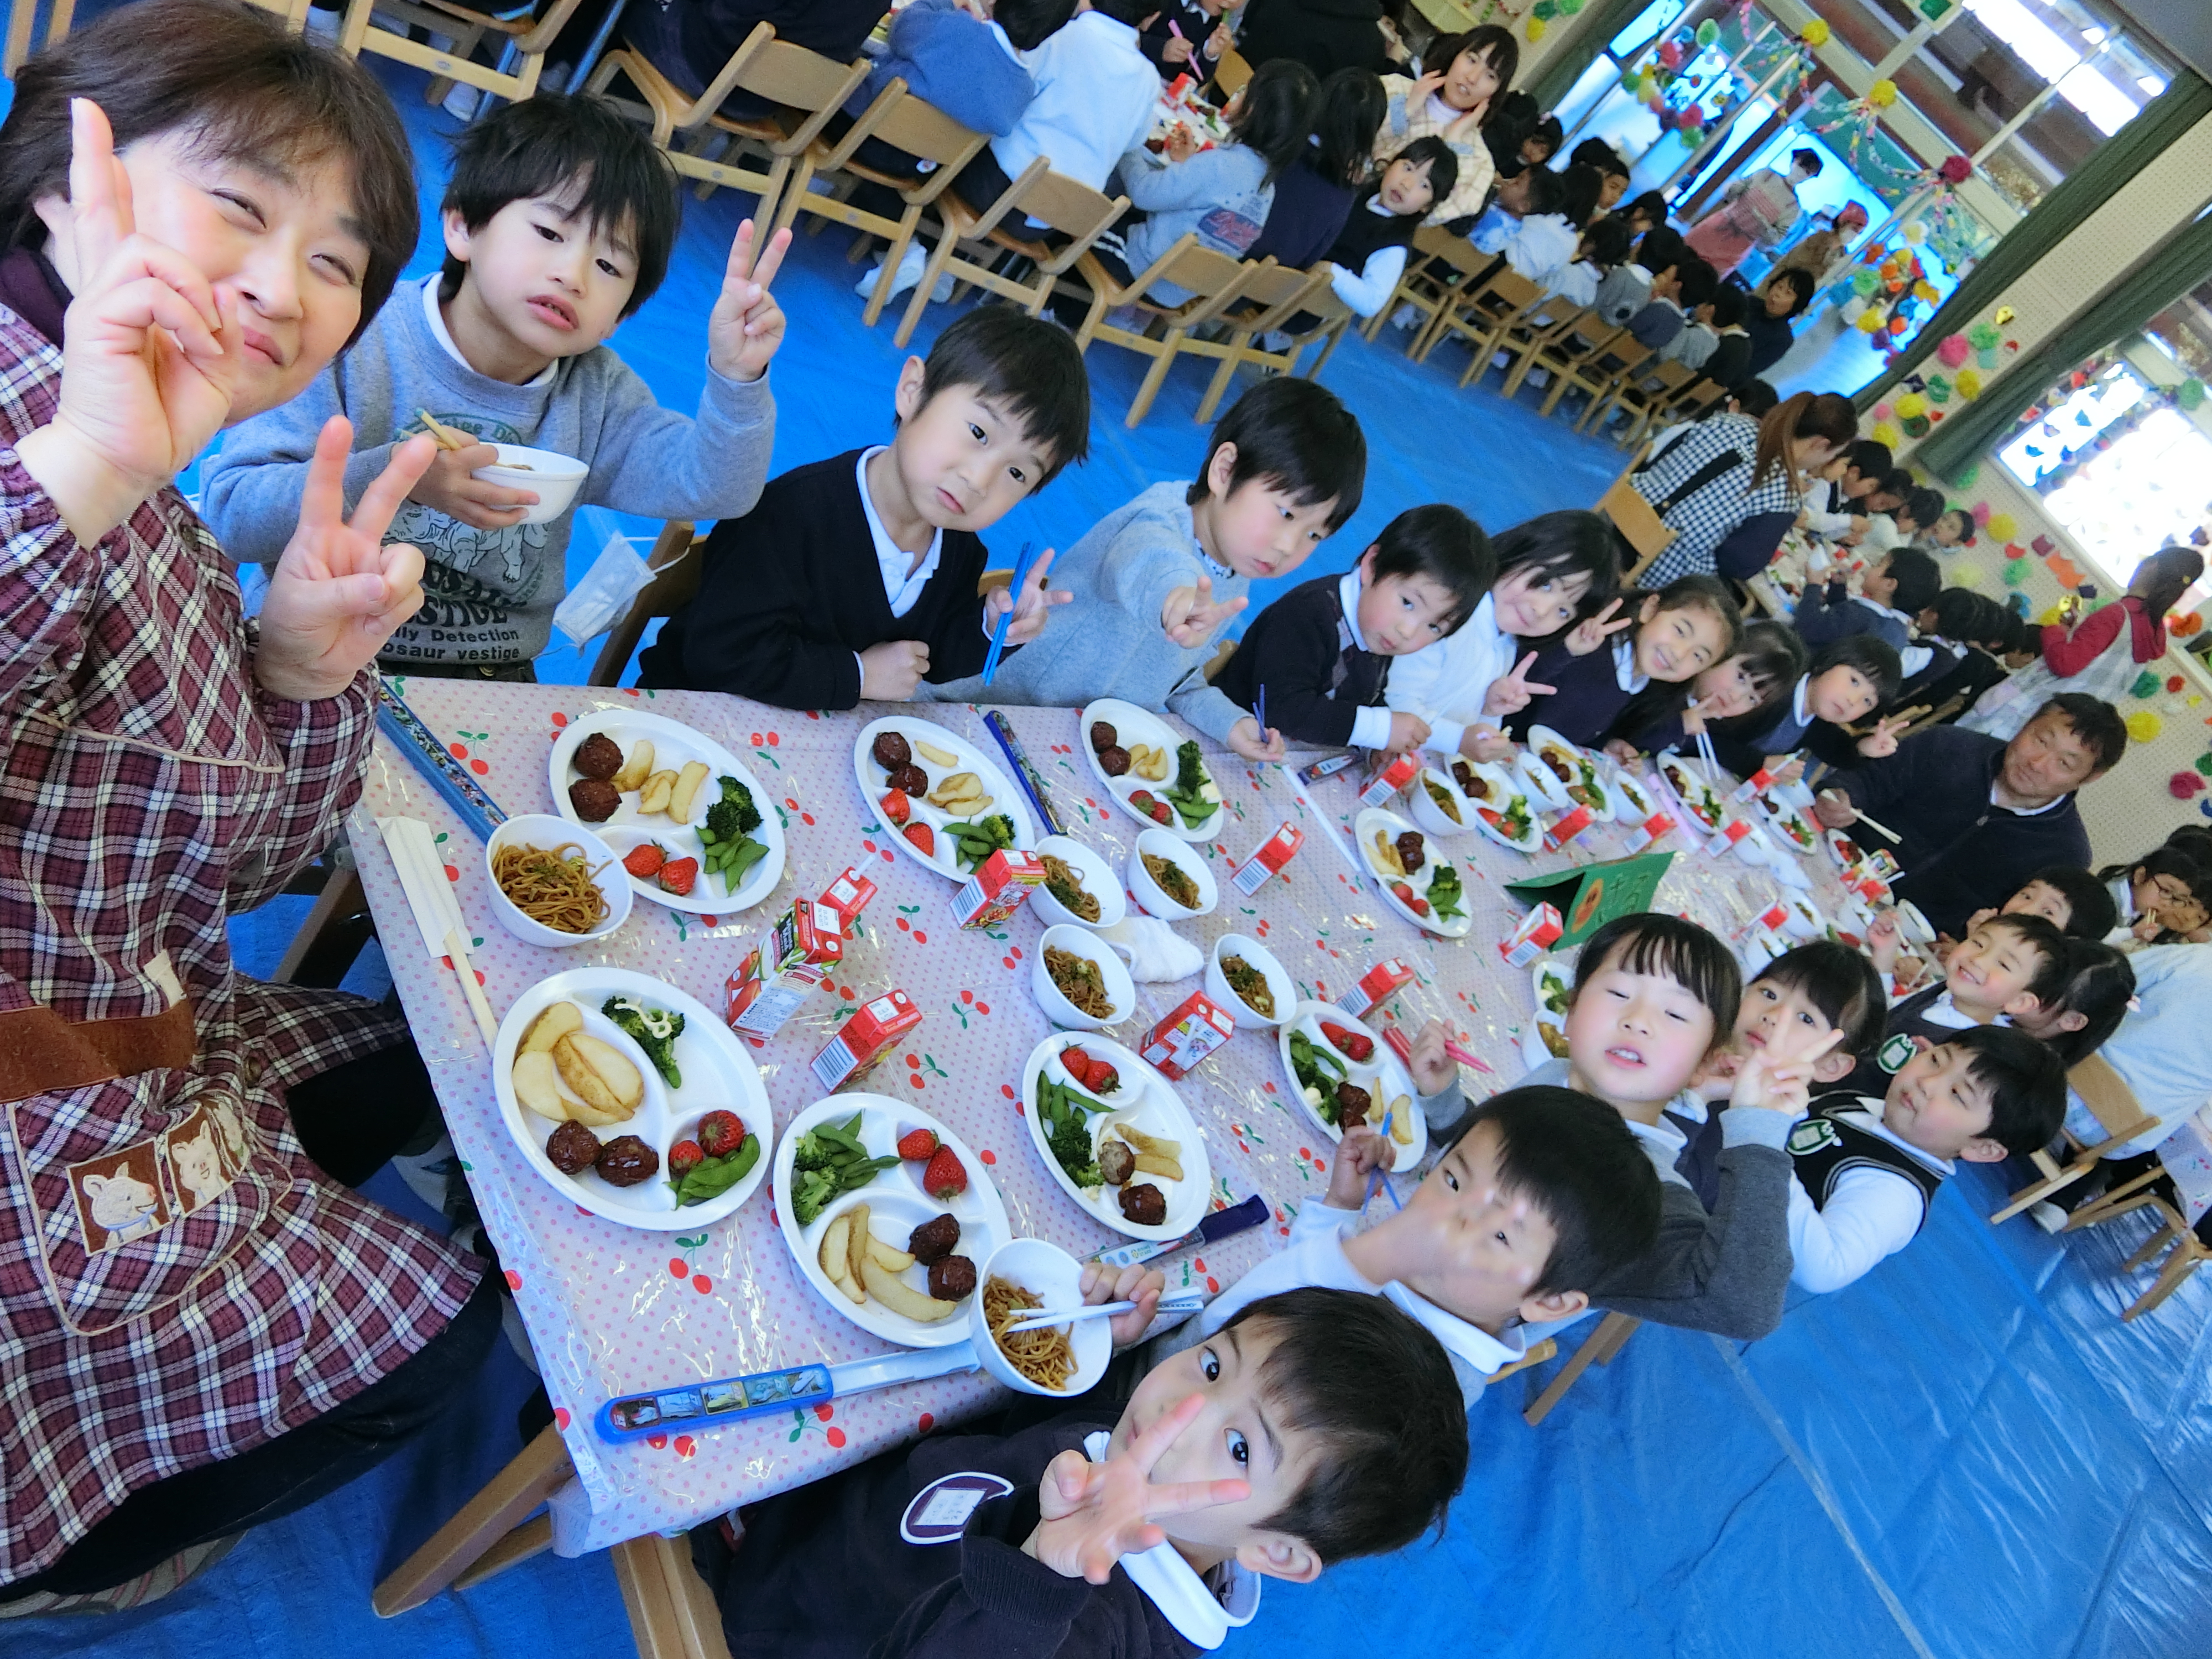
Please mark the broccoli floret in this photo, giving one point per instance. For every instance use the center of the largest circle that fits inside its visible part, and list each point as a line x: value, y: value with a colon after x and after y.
x: 654, y: 1029
x: 1190, y: 770
x: 735, y: 814
x: 1071, y: 1147
x: 812, y: 1152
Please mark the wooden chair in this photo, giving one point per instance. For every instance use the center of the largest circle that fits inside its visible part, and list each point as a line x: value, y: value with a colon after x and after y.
x: 2113, y: 1104
x: 1598, y: 1348
x: 22, y: 20
x: 1271, y: 297
x: 335, y: 927
x: 810, y: 87
x: 901, y: 119
x: 1230, y: 74
x: 1644, y: 395
x: 1447, y: 268
x: 1547, y: 1349
x: 1462, y: 291
x: 1505, y: 302
x: 676, y: 560
x: 1645, y: 533
x: 1565, y: 330
x: 524, y: 41
x: 1418, y: 258
x: 2185, y: 1254
x: 1061, y: 204
x: 1590, y: 356
x: 1214, y: 282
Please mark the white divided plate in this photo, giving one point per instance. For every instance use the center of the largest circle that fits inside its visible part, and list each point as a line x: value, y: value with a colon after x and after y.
x: 1374, y: 820
x: 1549, y: 976
x: 1634, y: 800
x: 1542, y: 784
x: 1134, y: 725
x: 1005, y: 797
x: 673, y: 744
x: 1842, y: 849
x: 1589, y: 770
x: 1792, y: 826
x: 1146, y: 1101
x: 898, y: 1205
x: 1698, y: 799
x: 1507, y: 784
x: 717, y: 1073
x: 1380, y: 1074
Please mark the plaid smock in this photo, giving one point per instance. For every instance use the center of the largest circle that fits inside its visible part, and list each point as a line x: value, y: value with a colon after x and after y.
x: 177, y: 1283
x: 1712, y: 513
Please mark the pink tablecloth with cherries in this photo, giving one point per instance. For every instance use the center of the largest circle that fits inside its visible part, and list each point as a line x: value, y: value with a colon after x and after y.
x: 613, y: 1309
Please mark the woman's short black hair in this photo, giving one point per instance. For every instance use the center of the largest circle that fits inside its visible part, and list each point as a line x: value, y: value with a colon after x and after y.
x: 1919, y: 579
x: 1275, y: 110
x: 1030, y: 24
x: 2026, y: 1081
x: 1294, y: 435
x: 1653, y: 942
x: 1442, y: 160
x: 1029, y: 366
x: 1574, y: 1158
x: 1876, y: 659
x: 1496, y: 44
x: 1808, y: 159
x: 1347, y: 117
x: 244, y: 88
x: 1375, y: 1390
x: 578, y: 150
x: 1554, y: 546
x: 2100, y: 981
x: 2091, y: 911
x: 1605, y: 242
x: 1799, y: 280
x: 1440, y: 542
x: 1842, y: 984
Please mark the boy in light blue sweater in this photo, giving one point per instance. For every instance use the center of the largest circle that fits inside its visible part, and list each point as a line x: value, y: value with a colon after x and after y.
x: 1156, y: 580
x: 558, y: 224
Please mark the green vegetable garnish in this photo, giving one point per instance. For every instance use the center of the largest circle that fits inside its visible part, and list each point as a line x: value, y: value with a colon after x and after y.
x: 1065, y: 1114
x: 828, y: 1161
x: 1187, y: 796
x: 975, y: 841
x: 654, y: 1029
x: 1317, y: 1069
x: 710, y: 1177
x: 1445, y: 894
x: 727, y: 837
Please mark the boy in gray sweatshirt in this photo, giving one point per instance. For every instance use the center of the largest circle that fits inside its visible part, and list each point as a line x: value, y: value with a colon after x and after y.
x: 559, y: 220
x: 1156, y: 580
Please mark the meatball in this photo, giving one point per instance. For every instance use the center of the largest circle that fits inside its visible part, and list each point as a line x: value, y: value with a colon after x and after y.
x: 598, y: 757
x: 934, y: 1240
x: 573, y: 1149
x: 1114, y: 762
x: 1116, y: 1162
x: 1462, y: 774
x: 1410, y: 852
x: 951, y: 1278
x: 1146, y: 1205
x: 1353, y: 1105
x: 891, y: 751
x: 1104, y: 736
x: 909, y: 780
x: 626, y: 1160
x: 595, y: 799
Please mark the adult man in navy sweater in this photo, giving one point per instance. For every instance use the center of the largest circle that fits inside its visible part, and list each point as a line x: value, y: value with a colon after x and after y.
x: 1976, y: 816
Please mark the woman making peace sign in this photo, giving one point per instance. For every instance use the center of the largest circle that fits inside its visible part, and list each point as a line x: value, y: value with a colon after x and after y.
x: 187, y: 1357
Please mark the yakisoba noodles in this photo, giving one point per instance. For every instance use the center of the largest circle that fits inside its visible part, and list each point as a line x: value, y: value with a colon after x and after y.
x: 1047, y: 1357
x: 554, y: 889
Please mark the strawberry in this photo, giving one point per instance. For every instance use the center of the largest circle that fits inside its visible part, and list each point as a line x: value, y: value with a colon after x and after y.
x: 678, y: 875
x: 682, y: 1157
x: 1103, y: 1079
x: 1160, y: 813
x: 644, y: 862
x: 895, y: 807
x: 918, y: 1145
x: 1078, y: 1063
x: 1352, y: 1045
x: 923, y: 837
x: 720, y: 1134
x: 1151, y: 806
x: 944, y: 1178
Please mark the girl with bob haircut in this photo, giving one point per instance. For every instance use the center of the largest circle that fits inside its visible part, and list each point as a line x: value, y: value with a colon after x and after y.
x: 200, y: 211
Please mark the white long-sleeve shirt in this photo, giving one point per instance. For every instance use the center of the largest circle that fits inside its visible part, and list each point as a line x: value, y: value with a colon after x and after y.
x: 1445, y: 683
x: 1536, y: 247
x: 1368, y: 290
x: 1096, y: 98
x: 1871, y: 1213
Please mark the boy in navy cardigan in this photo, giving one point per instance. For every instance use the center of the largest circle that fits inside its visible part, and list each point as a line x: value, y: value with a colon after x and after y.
x: 1322, y: 653
x: 856, y: 577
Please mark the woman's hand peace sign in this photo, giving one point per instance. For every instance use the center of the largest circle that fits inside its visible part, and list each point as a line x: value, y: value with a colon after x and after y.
x: 1593, y: 631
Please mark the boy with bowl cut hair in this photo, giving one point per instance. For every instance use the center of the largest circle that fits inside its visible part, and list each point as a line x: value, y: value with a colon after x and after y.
x: 558, y: 223
x: 1316, y: 1426
x: 855, y: 577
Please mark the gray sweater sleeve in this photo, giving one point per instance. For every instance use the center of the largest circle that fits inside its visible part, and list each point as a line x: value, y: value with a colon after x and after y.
x: 659, y: 464
x: 1728, y: 1271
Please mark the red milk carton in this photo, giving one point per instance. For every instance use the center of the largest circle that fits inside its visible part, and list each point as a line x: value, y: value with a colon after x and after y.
x: 1757, y: 784
x: 1564, y: 828
x: 875, y: 1027
x: 1193, y: 1031
x: 1391, y: 779
x: 778, y: 974
x: 1732, y: 831
x: 1272, y: 853
x: 848, y: 895
x: 998, y: 889
x: 1649, y: 831
x: 1538, y: 932
x: 1377, y: 985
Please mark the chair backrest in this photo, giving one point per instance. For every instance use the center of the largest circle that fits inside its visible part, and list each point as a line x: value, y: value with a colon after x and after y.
x: 1230, y: 74
x: 1639, y: 526
x: 674, y: 560
x: 922, y: 129
x: 1278, y: 292
x: 2110, y: 1100
x: 1211, y: 276
x: 1067, y: 205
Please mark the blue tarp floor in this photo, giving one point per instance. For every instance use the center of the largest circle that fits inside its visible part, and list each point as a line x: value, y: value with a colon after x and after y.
x: 1966, y: 1454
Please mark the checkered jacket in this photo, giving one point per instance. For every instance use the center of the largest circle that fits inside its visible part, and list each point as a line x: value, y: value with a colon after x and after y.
x: 1707, y: 517
x: 177, y: 1283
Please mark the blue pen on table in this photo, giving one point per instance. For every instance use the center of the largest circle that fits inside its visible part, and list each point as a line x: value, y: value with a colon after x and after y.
x: 1013, y: 598
x: 1260, y: 712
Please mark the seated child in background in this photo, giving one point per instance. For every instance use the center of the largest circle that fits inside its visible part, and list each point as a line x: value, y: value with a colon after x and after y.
x: 2162, y: 898
x: 2008, y: 968
x: 1952, y: 528
x: 1315, y: 195
x: 1096, y: 98
x: 855, y: 577
x: 1462, y: 75
x: 1552, y: 569
x: 1644, y: 213
x: 1603, y: 247
x: 1605, y: 161
x: 1918, y: 516
x: 1543, y: 141
x: 1846, y: 682
x: 1867, y: 1169
x: 1370, y: 252
x: 2100, y: 983
x: 1859, y: 472
x: 1874, y: 528
x: 1317, y: 1426
x: 1626, y: 288
x: 1700, y: 336
x: 1538, y: 1194
x: 558, y: 221
x: 1667, y: 638
x: 1894, y: 592
x: 1744, y: 689
x: 1682, y: 287
x: 2069, y: 898
x: 1536, y: 219
x: 1155, y: 579
x: 1654, y: 999
x: 1322, y: 652
x: 1186, y: 37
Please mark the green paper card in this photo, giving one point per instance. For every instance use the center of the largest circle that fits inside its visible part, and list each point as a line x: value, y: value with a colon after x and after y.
x: 1593, y: 895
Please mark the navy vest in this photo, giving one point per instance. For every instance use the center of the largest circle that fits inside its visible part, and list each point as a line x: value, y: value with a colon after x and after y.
x: 1825, y: 1145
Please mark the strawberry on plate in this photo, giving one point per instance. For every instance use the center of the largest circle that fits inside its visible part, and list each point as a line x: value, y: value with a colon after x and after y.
x: 944, y: 1178
x: 720, y: 1134
x: 683, y: 1156
x: 679, y: 875
x: 923, y: 837
x: 918, y: 1145
x: 644, y: 860
x: 895, y: 807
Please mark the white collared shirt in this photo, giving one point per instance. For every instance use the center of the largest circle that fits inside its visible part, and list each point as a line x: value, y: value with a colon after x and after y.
x: 1445, y: 683
x: 2027, y: 811
x: 435, y: 313
x: 1203, y: 1610
x: 1800, y: 707
x: 1625, y: 674
x: 1370, y: 727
